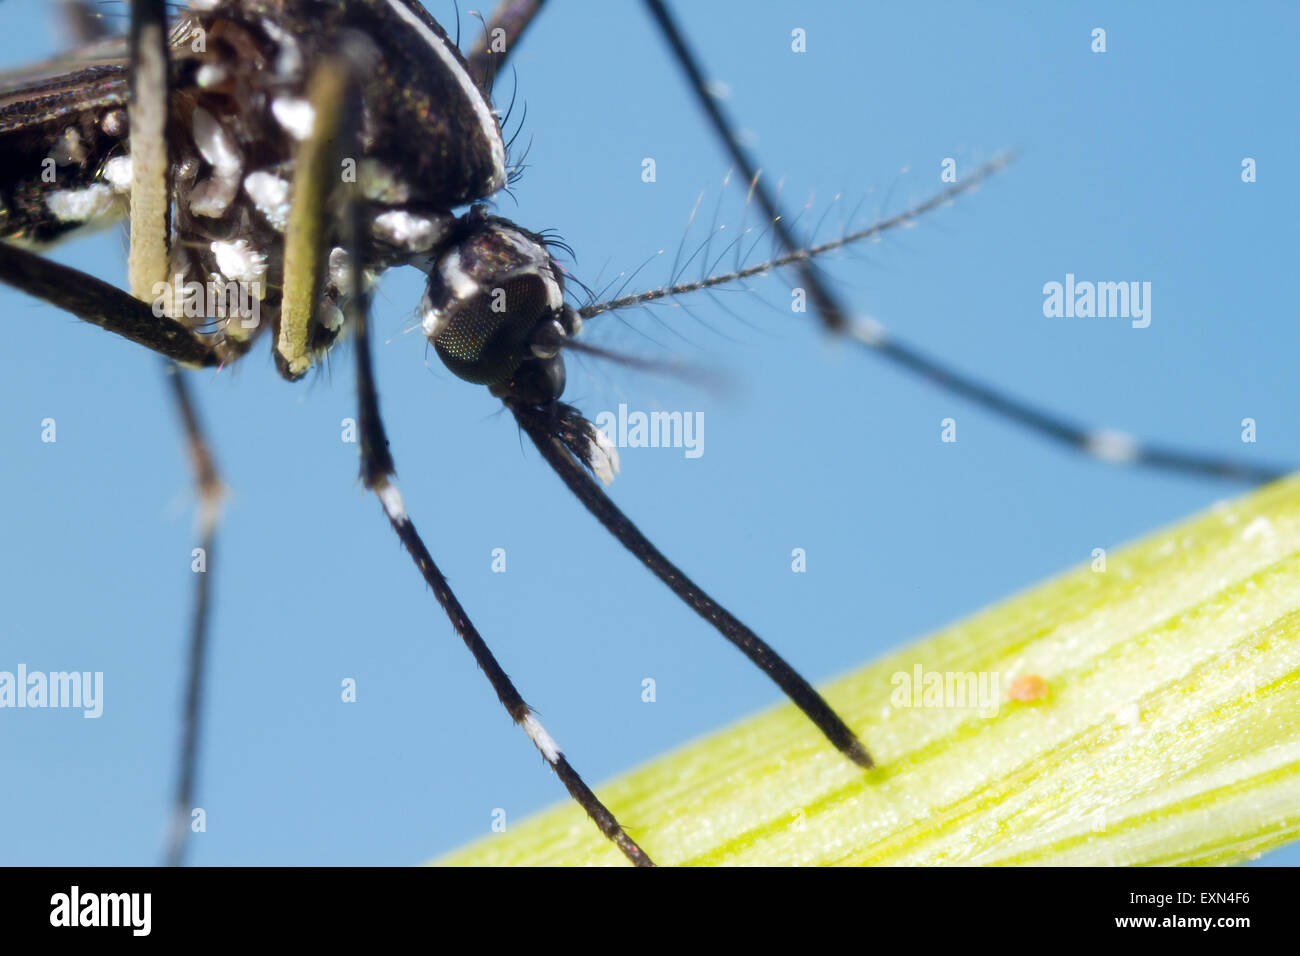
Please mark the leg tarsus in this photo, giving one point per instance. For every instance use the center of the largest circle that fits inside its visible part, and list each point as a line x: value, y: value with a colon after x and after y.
x: 211, y: 492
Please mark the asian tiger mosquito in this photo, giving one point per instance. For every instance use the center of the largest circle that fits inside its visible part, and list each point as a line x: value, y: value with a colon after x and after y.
x: 559, y: 599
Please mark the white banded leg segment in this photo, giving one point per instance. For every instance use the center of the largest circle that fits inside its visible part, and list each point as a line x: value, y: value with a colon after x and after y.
x: 391, y: 500
x: 541, y: 739
x: 505, y: 689
x: 1114, y: 446
x: 868, y: 331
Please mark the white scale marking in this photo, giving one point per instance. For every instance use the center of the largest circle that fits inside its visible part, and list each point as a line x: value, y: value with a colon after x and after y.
x: 414, y: 233
x: 604, y: 457
x: 81, y: 205
x: 270, y: 194
x: 212, y: 197
x: 869, y: 332
x: 391, y: 499
x: 432, y: 321
x: 117, y: 173
x: 549, y: 748
x: 288, y: 64
x: 1111, y: 446
x: 239, y: 261
x: 298, y: 117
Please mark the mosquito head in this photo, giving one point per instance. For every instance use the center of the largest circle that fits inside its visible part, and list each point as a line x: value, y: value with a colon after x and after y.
x: 494, y: 308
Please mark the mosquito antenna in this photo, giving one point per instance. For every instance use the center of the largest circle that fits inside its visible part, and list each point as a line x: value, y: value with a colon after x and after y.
x: 857, y: 208
x: 1106, y: 445
x: 635, y: 272
x: 712, y: 267
x: 713, y: 297
x: 681, y: 244
x: 821, y: 221
x: 744, y: 219
x: 1114, y: 447
x: 573, y: 447
x: 701, y: 253
x: 758, y: 240
x: 803, y: 255
x: 713, y: 226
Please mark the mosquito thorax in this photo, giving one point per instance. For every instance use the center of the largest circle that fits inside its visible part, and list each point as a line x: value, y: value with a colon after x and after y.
x: 494, y: 307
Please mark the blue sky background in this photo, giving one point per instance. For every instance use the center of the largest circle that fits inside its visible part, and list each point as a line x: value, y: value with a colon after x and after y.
x: 1130, y: 170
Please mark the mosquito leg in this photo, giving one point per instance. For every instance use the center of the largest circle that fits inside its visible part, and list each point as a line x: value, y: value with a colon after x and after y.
x: 85, y: 296
x: 377, y: 473
x: 1102, y: 444
x: 829, y: 309
x: 1114, y: 447
x: 210, y: 492
x: 147, y: 264
x: 151, y: 166
x: 104, y: 305
x: 513, y: 17
x: 334, y: 104
x: 561, y: 433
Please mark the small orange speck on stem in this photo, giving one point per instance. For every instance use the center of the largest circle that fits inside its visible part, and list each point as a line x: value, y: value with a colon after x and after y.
x: 1027, y: 687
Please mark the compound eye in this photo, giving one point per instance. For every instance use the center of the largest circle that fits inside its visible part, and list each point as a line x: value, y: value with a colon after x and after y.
x: 486, y: 337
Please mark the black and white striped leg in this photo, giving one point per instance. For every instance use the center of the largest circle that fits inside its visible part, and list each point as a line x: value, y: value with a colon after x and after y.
x: 560, y: 433
x: 377, y: 473
x: 210, y: 492
x: 1104, y: 445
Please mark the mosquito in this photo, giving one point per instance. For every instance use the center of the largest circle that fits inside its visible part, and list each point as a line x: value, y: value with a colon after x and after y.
x: 297, y: 151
